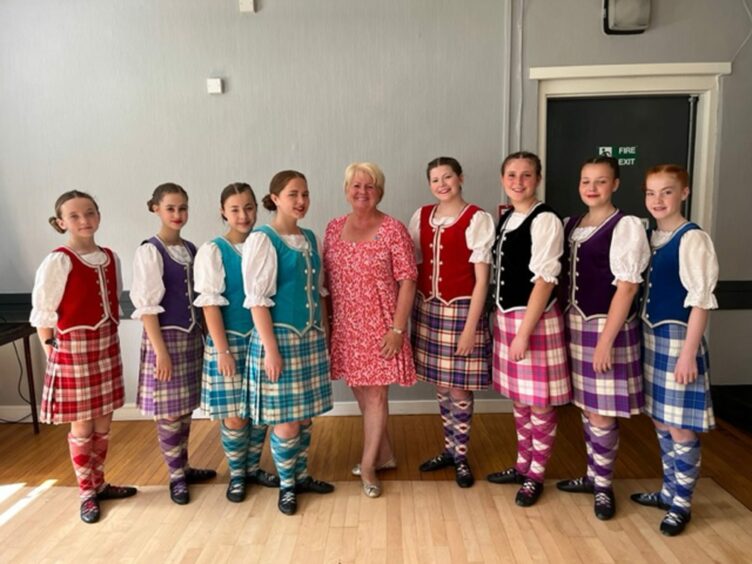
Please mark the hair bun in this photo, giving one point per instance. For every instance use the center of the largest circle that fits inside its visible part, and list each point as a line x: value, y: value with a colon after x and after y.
x: 53, y: 222
x: 267, y: 202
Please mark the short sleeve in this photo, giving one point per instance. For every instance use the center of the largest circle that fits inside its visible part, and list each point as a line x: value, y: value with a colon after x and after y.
x: 49, y: 287
x: 147, y: 289
x: 414, y: 230
x: 209, y: 276
x: 547, y: 233
x: 698, y: 269
x: 479, y: 237
x: 629, y: 254
x: 402, y: 250
x: 259, y: 271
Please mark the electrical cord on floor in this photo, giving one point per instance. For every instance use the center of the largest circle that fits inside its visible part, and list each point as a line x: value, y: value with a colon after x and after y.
x: 18, y: 384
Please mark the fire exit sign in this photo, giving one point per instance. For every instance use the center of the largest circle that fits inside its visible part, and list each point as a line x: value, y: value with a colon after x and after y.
x: 625, y: 154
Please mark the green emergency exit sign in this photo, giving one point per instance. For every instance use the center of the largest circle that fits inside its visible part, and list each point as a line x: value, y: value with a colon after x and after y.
x: 625, y: 154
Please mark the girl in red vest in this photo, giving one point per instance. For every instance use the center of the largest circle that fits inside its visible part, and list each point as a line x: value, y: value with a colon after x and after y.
x: 75, y: 309
x: 450, y: 337
x: 530, y: 354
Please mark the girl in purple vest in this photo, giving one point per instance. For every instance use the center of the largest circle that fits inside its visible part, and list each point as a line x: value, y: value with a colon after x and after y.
x: 171, y: 346
x: 75, y: 308
x: 450, y: 336
x: 678, y: 293
x: 219, y: 283
x: 288, y: 361
x: 605, y: 254
x: 530, y: 354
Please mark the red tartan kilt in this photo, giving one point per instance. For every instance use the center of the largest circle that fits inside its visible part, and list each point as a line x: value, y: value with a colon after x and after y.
x: 84, y: 376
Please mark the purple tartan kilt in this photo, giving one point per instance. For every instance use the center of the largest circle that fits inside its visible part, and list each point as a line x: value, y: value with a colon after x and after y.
x: 436, y: 329
x: 180, y: 394
x: 618, y: 392
x: 542, y: 378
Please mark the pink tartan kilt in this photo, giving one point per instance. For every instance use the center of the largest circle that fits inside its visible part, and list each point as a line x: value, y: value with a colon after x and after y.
x: 84, y: 376
x: 542, y: 378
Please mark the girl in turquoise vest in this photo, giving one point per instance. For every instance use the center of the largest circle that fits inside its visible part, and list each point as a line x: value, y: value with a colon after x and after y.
x: 219, y: 281
x: 288, y: 362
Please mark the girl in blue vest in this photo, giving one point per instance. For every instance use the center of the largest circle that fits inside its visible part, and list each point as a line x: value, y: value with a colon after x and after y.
x: 678, y: 293
x: 530, y: 355
x: 76, y: 312
x: 605, y: 254
x: 171, y: 346
x: 219, y: 283
x: 288, y: 362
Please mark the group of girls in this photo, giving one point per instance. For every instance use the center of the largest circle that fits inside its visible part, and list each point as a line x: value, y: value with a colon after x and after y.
x: 271, y: 368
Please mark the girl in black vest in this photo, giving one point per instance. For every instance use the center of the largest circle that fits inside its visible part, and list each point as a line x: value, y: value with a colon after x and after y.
x: 530, y: 357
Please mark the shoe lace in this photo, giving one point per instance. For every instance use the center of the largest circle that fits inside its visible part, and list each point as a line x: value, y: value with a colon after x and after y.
x: 581, y: 481
x: 288, y: 497
x: 528, y: 488
x: 602, y: 498
x: 89, y: 505
x: 463, y: 469
x: 236, y: 485
x: 674, y: 518
x: 180, y: 487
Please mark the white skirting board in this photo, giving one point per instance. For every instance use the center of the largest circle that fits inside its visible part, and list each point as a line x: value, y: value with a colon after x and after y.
x: 130, y: 412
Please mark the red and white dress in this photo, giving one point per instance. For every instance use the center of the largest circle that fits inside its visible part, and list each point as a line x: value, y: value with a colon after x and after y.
x: 77, y: 295
x: 363, y: 281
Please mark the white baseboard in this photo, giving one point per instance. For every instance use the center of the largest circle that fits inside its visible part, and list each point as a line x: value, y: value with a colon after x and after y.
x: 130, y: 412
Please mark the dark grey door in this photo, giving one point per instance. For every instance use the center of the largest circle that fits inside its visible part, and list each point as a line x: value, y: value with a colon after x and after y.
x: 640, y: 131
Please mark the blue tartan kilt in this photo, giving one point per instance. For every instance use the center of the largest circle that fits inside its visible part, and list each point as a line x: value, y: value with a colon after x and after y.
x: 222, y: 396
x: 683, y: 406
x: 304, y: 388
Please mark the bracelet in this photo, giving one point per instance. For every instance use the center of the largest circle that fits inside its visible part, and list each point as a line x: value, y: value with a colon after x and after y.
x: 224, y: 352
x: 398, y: 331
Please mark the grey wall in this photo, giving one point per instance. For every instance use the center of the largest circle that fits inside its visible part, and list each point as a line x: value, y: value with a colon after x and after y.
x: 110, y: 97
x: 567, y: 32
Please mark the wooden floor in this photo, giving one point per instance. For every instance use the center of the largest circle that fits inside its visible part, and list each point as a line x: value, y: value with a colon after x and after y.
x: 420, y: 518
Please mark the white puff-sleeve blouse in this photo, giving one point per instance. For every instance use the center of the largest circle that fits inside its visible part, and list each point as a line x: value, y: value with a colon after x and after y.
x: 629, y: 254
x: 209, y: 275
x: 479, y: 235
x: 50, y: 281
x: 260, y: 267
x: 698, y: 266
x: 547, y: 234
x: 147, y: 289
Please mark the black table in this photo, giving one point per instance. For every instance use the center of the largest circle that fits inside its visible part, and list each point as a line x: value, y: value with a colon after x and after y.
x: 10, y: 332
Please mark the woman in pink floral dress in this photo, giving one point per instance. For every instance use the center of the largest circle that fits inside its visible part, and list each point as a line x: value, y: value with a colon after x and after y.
x: 370, y: 267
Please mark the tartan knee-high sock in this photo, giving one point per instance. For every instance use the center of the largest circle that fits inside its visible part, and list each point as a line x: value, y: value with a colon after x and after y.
x: 445, y: 409
x: 524, y: 431
x: 605, y: 442
x: 170, y: 435
x: 256, y: 438
x: 99, y: 444
x: 285, y: 453
x: 235, y: 445
x: 544, y: 433
x: 462, y: 417
x: 588, y: 449
x: 687, y: 460
x: 82, y: 459
x: 666, y: 443
x: 185, y: 430
x: 301, y: 463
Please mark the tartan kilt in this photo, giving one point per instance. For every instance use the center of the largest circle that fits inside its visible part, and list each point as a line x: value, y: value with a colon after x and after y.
x: 302, y: 391
x: 436, y: 328
x: 684, y: 406
x: 618, y: 392
x: 542, y: 378
x: 84, y: 376
x: 222, y: 396
x: 180, y: 394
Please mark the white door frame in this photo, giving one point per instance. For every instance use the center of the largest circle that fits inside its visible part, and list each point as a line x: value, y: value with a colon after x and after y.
x: 700, y: 79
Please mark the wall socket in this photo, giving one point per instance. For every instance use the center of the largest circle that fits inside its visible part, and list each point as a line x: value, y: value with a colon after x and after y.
x: 247, y: 5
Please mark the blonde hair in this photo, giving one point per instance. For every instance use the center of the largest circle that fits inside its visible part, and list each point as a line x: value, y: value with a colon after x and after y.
x: 369, y: 169
x: 65, y: 197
